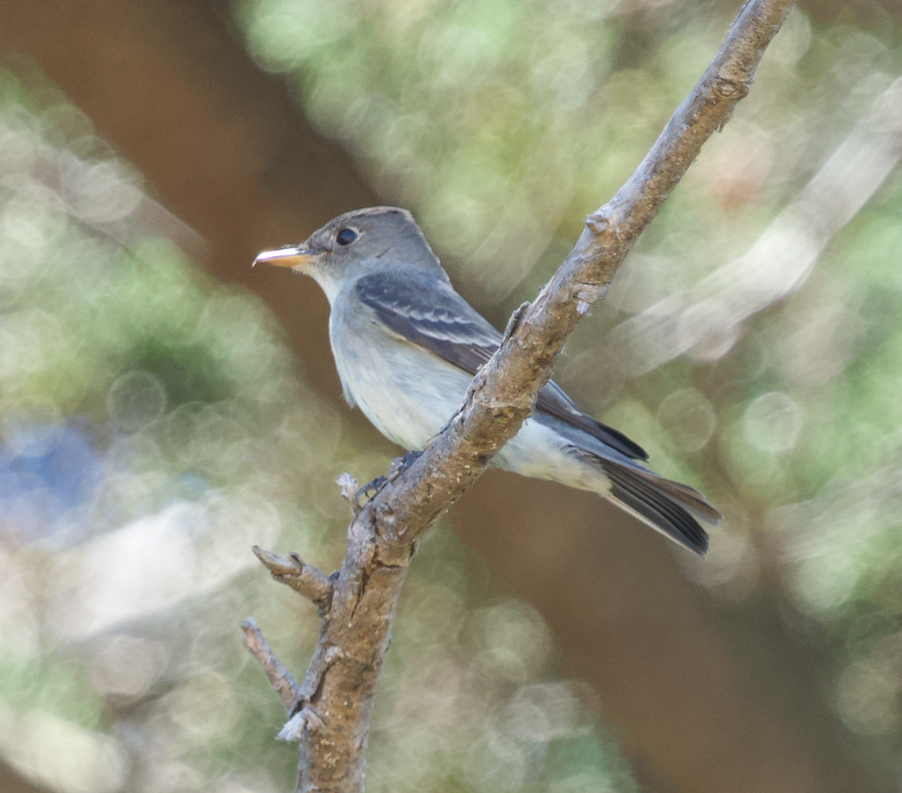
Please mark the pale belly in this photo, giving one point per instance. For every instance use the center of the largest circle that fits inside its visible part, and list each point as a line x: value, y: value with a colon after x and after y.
x: 409, y: 395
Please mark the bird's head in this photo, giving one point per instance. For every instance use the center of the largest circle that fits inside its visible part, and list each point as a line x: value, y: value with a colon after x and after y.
x: 355, y: 244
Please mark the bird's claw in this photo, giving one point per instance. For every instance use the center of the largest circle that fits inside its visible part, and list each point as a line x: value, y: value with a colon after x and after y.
x: 398, y: 466
x: 375, y: 486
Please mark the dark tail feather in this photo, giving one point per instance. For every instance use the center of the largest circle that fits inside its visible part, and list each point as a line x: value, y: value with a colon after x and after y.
x: 690, y: 498
x: 667, y: 506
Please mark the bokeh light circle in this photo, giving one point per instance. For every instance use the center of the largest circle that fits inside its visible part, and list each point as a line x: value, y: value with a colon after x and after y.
x: 135, y: 400
x: 772, y: 422
x: 689, y: 419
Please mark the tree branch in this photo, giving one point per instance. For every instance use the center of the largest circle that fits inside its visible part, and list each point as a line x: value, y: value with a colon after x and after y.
x: 503, y: 393
x: 337, y: 692
x: 305, y: 579
x: 279, y: 677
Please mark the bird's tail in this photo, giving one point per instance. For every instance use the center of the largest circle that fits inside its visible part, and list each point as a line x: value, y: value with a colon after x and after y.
x: 668, y: 507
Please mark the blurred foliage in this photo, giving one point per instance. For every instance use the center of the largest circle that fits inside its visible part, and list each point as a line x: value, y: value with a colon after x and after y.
x: 154, y: 425
x: 504, y: 123
x: 153, y: 429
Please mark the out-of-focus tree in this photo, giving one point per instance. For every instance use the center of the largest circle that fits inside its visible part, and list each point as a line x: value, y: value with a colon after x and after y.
x: 155, y: 421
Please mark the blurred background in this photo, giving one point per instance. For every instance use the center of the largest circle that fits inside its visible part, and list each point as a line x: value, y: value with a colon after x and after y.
x: 163, y: 406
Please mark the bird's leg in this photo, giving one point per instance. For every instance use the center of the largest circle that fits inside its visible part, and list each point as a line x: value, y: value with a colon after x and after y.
x: 375, y: 486
x: 397, y: 467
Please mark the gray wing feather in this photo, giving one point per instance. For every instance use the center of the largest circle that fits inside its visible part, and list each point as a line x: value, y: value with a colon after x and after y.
x: 435, y: 317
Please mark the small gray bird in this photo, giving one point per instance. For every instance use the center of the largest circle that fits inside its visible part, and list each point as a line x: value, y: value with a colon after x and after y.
x: 406, y: 346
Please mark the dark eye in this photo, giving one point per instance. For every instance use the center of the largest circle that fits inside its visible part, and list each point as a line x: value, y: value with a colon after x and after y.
x: 346, y: 236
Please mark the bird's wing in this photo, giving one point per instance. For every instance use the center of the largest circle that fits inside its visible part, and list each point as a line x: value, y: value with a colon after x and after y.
x: 432, y: 316
x: 438, y: 319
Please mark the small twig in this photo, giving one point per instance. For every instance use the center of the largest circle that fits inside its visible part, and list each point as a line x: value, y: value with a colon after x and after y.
x: 305, y: 719
x: 323, y: 658
x: 279, y: 677
x: 305, y: 579
x: 514, y: 322
x: 349, y: 490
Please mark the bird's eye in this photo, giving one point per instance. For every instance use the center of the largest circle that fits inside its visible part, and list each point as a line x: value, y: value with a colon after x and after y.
x: 346, y: 236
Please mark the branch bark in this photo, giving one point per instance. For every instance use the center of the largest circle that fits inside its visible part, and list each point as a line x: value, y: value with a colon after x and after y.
x: 279, y: 677
x: 338, y: 689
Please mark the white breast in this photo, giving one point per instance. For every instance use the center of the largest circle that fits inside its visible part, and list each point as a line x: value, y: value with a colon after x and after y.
x: 407, y: 393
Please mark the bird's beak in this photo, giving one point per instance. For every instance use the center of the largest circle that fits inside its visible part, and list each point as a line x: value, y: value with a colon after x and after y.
x: 289, y: 256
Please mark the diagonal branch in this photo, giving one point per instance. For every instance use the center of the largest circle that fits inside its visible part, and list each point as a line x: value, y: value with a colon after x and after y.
x: 338, y: 689
x: 503, y: 394
x: 781, y: 259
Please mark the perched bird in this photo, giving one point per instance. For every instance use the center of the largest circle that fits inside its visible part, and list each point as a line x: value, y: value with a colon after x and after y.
x: 407, y: 345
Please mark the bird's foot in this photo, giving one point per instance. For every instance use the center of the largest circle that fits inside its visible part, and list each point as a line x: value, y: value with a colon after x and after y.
x: 371, y: 487
x: 397, y: 467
